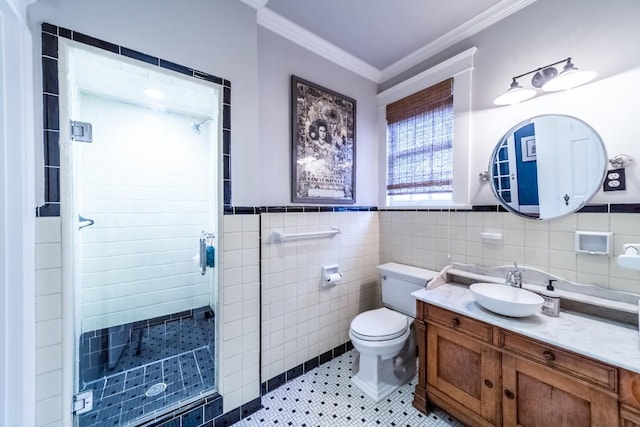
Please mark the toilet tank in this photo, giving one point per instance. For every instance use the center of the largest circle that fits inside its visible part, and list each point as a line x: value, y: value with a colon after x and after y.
x: 398, y: 281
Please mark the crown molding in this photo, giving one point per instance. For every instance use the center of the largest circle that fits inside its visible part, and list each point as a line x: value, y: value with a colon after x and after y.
x: 256, y: 4
x: 487, y: 18
x: 458, y: 64
x: 295, y: 33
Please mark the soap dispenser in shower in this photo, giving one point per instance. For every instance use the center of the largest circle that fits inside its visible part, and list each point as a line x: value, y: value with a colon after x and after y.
x: 207, y: 252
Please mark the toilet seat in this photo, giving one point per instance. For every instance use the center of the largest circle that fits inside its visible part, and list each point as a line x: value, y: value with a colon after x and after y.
x: 381, y: 324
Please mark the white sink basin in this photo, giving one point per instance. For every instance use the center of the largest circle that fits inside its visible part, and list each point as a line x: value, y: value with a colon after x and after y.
x: 506, y: 300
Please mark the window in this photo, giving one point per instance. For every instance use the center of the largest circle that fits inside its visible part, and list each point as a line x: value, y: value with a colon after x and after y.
x: 419, y: 145
x: 425, y: 128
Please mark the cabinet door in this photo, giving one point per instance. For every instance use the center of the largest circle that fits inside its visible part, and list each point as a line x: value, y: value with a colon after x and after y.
x: 536, y: 396
x: 629, y: 399
x: 420, y: 393
x: 465, y: 371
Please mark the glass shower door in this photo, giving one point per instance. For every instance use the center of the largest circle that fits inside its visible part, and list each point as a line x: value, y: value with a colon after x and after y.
x: 144, y: 191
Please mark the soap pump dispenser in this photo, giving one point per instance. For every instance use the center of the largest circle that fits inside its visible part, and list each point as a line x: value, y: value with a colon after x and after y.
x: 551, y: 304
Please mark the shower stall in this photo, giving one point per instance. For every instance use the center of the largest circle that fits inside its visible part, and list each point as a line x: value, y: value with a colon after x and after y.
x: 140, y: 207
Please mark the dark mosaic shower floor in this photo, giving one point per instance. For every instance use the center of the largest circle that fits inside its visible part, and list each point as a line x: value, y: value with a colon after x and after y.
x: 120, y: 399
x: 178, y: 353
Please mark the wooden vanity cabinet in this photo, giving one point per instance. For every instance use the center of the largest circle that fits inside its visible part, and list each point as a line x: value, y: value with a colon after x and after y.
x: 460, y: 365
x: 535, y: 395
x: 629, y: 399
x: 463, y: 376
x: 486, y: 376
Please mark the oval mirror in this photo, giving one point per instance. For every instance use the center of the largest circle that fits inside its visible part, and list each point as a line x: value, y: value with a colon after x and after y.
x: 547, y: 166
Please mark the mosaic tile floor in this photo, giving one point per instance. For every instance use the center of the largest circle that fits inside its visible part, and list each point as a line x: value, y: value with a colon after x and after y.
x: 325, y: 397
x: 148, y: 341
x: 164, y: 340
x: 120, y: 399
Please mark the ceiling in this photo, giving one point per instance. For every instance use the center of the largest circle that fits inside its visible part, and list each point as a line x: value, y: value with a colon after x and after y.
x: 380, y: 38
x: 374, y: 38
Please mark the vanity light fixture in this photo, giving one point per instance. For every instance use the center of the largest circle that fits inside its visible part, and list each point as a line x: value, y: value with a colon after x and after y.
x: 515, y: 94
x: 547, y: 79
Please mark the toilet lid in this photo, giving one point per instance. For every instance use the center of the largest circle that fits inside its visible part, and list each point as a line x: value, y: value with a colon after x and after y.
x: 379, y: 325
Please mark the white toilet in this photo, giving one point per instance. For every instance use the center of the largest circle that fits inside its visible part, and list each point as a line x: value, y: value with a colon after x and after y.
x: 385, y: 337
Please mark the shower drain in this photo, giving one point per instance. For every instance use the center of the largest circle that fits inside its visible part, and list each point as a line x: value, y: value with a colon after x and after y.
x: 155, y: 389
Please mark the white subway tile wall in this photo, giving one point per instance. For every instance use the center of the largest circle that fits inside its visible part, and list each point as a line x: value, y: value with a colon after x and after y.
x: 240, y: 311
x: 411, y: 238
x: 48, y: 322
x: 148, y: 188
x: 239, y: 354
x: 300, y: 318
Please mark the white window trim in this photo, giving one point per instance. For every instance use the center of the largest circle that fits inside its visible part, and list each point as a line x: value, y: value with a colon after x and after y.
x: 459, y: 67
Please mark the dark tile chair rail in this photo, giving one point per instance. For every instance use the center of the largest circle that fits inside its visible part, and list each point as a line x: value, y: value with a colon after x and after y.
x: 256, y: 210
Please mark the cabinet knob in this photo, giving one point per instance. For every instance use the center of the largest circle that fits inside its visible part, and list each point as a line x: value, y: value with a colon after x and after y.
x: 509, y: 394
x: 455, y: 321
x: 488, y: 383
x: 549, y: 356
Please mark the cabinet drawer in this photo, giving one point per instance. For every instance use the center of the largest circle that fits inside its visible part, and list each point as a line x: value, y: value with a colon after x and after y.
x: 589, y: 370
x: 460, y: 323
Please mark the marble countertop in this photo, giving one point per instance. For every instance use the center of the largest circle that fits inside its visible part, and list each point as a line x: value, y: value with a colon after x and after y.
x: 609, y: 342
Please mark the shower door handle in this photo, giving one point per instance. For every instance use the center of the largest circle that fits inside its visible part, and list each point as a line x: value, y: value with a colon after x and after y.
x: 203, y: 254
x: 83, y: 219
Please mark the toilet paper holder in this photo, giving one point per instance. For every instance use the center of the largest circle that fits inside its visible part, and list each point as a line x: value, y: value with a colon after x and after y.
x: 331, y: 275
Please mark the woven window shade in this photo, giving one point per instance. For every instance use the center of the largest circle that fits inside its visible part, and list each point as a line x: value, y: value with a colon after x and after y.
x: 419, y: 142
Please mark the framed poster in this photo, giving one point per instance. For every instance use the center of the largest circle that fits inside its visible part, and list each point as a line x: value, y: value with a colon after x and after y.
x: 323, y: 144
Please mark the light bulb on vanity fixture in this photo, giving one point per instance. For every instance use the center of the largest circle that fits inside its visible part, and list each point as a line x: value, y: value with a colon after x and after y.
x: 547, y: 79
x: 515, y: 94
x: 569, y: 78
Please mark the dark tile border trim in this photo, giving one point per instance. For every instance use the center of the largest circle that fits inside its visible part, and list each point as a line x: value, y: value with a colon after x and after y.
x: 474, y: 208
x: 256, y: 210
x: 206, y: 412
x: 593, y: 208
x: 206, y: 408
x: 625, y: 208
x: 51, y: 114
x: 303, y: 368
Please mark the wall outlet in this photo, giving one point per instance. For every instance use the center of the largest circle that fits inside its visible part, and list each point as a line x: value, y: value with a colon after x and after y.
x: 615, y: 180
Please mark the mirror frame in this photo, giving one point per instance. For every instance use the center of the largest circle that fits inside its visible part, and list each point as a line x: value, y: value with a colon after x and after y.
x: 494, y: 153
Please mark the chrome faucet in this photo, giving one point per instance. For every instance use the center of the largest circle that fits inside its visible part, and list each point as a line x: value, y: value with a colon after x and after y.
x: 514, y: 277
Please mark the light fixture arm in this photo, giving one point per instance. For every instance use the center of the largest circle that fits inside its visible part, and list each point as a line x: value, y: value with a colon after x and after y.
x: 567, y: 60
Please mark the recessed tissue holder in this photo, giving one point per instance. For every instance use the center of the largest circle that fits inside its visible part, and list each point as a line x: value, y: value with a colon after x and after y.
x: 331, y: 275
x: 630, y: 257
